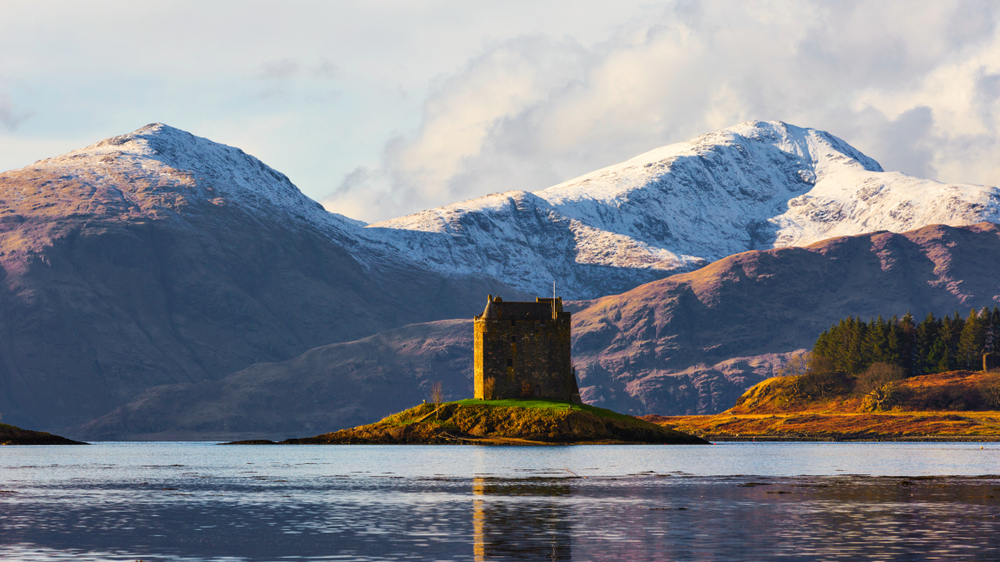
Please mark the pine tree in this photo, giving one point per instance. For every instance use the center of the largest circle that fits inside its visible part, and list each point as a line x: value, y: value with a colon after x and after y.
x: 894, y: 354
x: 993, y: 331
x: 951, y: 330
x: 876, y: 344
x: 927, y: 336
x: 934, y: 345
x: 908, y: 339
x: 857, y: 358
x: 971, y: 342
x: 944, y: 364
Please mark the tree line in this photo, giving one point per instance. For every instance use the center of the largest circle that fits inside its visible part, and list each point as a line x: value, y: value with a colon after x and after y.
x: 934, y: 345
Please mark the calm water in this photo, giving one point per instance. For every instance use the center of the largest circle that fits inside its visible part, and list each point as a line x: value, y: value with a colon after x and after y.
x: 740, y: 501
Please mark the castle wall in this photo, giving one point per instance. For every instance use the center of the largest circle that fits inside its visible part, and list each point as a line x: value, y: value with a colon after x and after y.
x: 525, y: 357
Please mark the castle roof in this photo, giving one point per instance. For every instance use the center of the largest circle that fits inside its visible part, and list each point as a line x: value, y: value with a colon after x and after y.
x: 541, y: 309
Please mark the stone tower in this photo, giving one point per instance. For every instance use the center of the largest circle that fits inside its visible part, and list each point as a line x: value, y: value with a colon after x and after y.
x: 524, y: 348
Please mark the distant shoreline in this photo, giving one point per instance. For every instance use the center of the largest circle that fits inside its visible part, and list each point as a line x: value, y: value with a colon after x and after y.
x: 818, y: 439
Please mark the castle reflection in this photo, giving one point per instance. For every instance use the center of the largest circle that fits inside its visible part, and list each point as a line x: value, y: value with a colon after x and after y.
x: 520, y: 520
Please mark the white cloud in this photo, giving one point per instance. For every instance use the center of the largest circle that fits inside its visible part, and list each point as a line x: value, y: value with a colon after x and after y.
x: 422, y: 103
x: 913, y: 84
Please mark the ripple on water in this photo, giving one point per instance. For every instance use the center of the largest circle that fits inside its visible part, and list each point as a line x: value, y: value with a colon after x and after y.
x: 561, y: 503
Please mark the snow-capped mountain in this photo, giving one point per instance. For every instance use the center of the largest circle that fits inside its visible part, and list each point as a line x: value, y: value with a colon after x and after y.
x: 159, y: 257
x: 753, y: 186
x: 157, y: 170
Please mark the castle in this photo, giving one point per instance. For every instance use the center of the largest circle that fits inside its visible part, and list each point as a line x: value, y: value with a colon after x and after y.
x: 522, y: 350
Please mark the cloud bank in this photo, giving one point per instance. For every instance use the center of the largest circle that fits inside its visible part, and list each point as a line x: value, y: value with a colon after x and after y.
x: 915, y: 85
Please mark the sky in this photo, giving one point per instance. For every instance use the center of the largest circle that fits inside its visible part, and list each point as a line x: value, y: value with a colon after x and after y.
x: 380, y: 109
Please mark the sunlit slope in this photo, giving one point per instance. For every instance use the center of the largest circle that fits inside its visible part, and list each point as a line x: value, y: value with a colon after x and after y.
x: 951, y: 405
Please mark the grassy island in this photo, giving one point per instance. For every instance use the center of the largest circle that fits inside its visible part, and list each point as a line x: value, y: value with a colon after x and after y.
x: 949, y: 406
x: 12, y: 435
x: 504, y: 422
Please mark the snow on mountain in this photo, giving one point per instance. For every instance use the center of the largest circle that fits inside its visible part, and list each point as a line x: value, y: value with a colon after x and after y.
x: 158, y: 170
x: 757, y: 185
x: 753, y: 186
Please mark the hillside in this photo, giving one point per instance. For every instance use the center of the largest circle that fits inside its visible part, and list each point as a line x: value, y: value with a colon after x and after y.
x: 504, y: 422
x: 160, y: 258
x: 689, y: 344
x: 673, y: 346
x: 329, y: 387
x: 953, y: 405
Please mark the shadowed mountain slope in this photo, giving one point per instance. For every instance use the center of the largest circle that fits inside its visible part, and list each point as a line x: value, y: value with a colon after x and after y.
x: 692, y: 343
x: 159, y: 257
x: 329, y: 387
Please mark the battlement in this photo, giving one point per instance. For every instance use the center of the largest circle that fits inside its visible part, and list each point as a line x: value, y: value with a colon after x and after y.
x: 522, y: 350
x: 538, y: 311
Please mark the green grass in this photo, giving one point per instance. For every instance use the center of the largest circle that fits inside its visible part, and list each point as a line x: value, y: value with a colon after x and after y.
x: 541, y: 404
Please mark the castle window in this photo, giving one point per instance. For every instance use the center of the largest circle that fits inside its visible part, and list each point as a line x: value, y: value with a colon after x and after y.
x: 510, y: 362
x: 513, y: 339
x: 513, y: 322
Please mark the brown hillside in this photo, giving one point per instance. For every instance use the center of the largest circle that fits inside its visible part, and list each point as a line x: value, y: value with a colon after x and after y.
x: 938, y: 406
x: 954, y: 390
x: 693, y: 343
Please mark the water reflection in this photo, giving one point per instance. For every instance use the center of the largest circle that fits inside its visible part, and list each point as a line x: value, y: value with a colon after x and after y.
x: 518, y: 520
x: 184, y: 503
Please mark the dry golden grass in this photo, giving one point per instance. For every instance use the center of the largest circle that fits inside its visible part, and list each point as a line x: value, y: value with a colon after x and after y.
x: 887, y: 425
x: 939, y: 406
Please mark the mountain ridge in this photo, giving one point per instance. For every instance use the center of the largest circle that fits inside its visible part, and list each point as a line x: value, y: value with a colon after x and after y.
x: 676, y: 208
x: 756, y: 185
